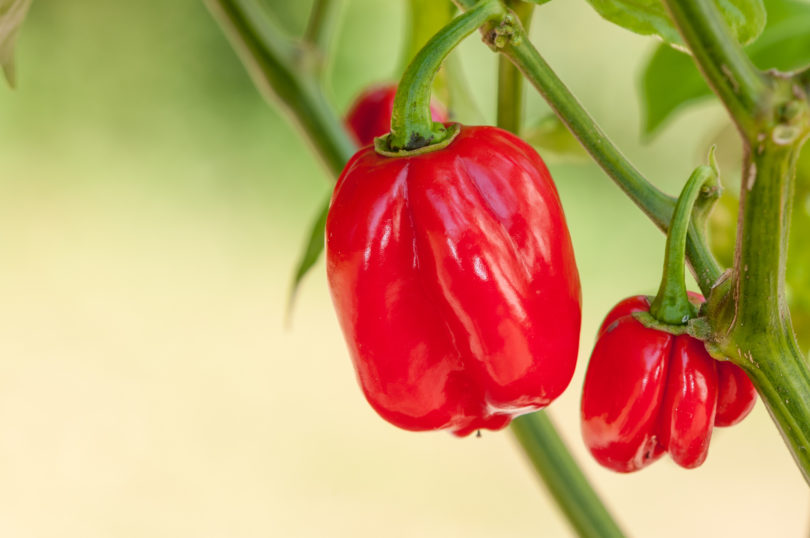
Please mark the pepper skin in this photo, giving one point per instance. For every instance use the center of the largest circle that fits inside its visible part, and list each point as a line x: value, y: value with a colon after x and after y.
x: 370, y: 114
x: 454, y: 280
x: 648, y: 392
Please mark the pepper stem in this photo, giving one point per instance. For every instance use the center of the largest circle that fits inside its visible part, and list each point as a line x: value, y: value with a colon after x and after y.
x: 671, y: 305
x: 411, y: 124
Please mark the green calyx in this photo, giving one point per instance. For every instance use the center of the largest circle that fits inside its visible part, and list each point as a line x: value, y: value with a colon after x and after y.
x: 671, y: 305
x: 412, y: 126
x: 382, y: 145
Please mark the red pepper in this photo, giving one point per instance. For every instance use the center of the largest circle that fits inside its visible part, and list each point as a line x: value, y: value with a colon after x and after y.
x: 454, y: 280
x: 370, y: 114
x: 648, y: 392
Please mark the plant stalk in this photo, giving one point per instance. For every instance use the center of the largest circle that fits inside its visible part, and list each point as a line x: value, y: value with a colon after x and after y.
x: 270, y: 60
x: 317, y: 30
x: 752, y: 327
x: 749, y: 317
x: 742, y: 88
x: 563, y: 478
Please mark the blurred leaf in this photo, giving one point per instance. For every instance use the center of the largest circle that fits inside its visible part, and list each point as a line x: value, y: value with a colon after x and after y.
x: 554, y: 140
x: 311, y: 253
x: 746, y: 18
x: 723, y: 230
x: 12, y: 14
x: 671, y: 80
x: 538, y: 1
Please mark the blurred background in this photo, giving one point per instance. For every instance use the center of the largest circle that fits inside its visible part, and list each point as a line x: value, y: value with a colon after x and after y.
x: 153, y: 206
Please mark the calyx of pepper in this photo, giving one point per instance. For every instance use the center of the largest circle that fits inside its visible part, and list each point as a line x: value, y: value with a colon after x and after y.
x: 382, y: 146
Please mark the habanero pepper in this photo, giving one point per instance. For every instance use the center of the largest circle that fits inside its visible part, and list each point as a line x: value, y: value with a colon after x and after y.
x: 648, y: 392
x: 454, y: 280
x: 450, y: 264
x: 650, y: 387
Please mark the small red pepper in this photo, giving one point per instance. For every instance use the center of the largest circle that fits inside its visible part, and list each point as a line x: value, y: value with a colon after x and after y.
x: 370, y: 114
x: 648, y: 392
x: 454, y: 280
x: 650, y: 387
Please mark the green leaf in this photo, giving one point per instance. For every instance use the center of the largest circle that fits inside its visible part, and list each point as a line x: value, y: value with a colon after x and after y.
x: 311, y: 253
x: 12, y: 13
x: 539, y: 2
x: 746, y: 18
x: 671, y: 80
x: 554, y: 141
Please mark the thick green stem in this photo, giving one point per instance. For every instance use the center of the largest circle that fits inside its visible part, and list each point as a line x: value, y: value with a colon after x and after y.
x: 563, y: 478
x: 752, y: 326
x: 732, y: 75
x: 749, y: 315
x: 671, y: 305
x: 411, y: 124
x: 270, y: 62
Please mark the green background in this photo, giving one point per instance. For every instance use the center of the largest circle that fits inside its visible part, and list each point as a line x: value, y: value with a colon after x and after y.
x: 152, y: 208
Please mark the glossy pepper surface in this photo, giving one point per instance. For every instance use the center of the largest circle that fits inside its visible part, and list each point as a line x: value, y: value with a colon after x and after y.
x: 370, y: 114
x: 454, y: 280
x: 648, y: 392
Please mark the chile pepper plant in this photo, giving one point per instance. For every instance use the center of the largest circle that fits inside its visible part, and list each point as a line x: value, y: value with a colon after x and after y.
x: 448, y: 253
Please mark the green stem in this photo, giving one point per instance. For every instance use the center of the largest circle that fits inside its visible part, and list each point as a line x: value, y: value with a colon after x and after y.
x: 655, y: 204
x: 270, y: 62
x: 411, y: 124
x: 317, y: 33
x: 735, y: 79
x: 535, y: 432
x: 563, y: 478
x: 752, y: 327
x: 732, y: 75
x: 671, y: 305
x: 510, y: 80
x: 312, y: 51
x: 749, y: 318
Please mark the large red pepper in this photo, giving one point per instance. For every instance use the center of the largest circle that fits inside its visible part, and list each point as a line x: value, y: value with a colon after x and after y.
x: 370, y: 114
x: 648, y: 392
x: 454, y: 280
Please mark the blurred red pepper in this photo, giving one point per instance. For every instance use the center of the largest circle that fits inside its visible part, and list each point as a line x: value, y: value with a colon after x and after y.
x: 648, y: 392
x: 370, y: 114
x: 454, y: 280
